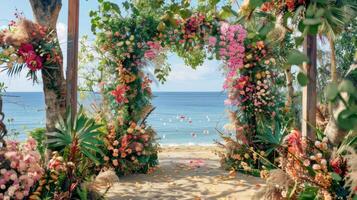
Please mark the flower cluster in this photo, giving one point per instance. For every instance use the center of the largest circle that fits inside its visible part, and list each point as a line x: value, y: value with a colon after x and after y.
x: 30, y: 44
x: 33, y: 61
x: 243, y: 158
x: 263, y: 98
x: 290, y: 5
x: 231, y: 46
x: 153, y: 51
x: 312, y: 163
x: 130, y: 148
x: 20, y: 169
x: 119, y: 93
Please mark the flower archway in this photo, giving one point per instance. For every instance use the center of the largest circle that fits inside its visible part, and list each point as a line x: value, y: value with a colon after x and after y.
x: 127, y: 44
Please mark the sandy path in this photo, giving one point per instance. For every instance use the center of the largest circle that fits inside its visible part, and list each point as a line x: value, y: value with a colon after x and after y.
x: 186, y: 173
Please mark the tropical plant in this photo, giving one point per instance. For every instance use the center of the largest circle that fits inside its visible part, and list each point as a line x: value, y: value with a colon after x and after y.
x: 39, y: 134
x: 77, y: 136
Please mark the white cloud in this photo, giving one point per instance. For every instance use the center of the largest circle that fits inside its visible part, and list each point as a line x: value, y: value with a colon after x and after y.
x: 180, y: 72
x: 62, y: 32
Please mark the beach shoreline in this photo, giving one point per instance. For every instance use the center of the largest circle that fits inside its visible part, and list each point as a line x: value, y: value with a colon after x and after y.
x: 186, y: 172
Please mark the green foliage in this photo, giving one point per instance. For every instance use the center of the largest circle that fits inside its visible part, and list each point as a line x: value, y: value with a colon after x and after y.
x: 273, y: 136
x: 77, y: 133
x: 39, y: 134
x: 2, y: 87
x: 302, y: 79
x: 346, y: 46
x: 295, y: 57
x: 347, y: 118
x: 309, y: 193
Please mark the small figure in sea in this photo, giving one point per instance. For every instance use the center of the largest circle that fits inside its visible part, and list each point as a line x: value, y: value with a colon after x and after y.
x: 193, y: 134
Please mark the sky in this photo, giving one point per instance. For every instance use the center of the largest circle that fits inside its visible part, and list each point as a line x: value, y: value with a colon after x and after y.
x: 207, y: 77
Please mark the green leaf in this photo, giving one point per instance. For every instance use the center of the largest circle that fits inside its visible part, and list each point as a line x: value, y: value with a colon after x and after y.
x: 126, y: 5
x: 301, y: 26
x: 185, y: 13
x: 143, y: 159
x: 313, y: 29
x: 347, y: 119
x: 336, y: 177
x: 295, y: 57
x: 312, y: 21
x: 255, y: 3
x: 302, y: 79
x: 309, y: 193
x: 225, y: 13
x: 299, y: 41
x: 347, y: 86
x: 331, y: 91
x: 90, y: 156
x: 320, y: 12
x: 266, y: 28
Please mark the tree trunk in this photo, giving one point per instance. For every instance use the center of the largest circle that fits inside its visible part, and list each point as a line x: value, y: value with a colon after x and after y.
x: 309, y: 99
x: 333, y: 60
x: 46, y: 13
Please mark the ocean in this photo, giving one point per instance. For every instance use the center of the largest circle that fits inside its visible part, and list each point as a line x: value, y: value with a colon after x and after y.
x: 189, y: 118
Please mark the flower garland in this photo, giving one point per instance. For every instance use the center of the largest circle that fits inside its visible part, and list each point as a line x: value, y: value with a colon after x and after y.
x: 28, y: 44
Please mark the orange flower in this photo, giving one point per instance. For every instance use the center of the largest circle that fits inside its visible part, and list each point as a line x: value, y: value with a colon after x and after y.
x: 260, y: 45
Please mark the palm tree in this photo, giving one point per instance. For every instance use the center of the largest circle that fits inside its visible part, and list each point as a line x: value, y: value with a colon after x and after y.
x: 337, y: 14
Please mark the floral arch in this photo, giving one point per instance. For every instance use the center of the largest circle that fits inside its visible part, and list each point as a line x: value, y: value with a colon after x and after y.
x: 127, y: 44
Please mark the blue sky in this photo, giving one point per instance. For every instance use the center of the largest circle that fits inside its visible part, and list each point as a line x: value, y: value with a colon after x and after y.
x: 207, y: 77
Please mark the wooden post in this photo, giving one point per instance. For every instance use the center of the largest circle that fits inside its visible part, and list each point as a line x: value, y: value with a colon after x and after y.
x: 72, y: 55
x: 309, y: 91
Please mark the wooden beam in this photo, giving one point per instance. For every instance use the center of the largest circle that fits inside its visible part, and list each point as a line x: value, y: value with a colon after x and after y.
x: 309, y: 99
x: 72, y: 55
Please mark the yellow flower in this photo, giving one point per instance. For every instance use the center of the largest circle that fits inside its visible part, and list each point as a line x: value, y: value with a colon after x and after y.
x: 130, y: 130
x: 246, y: 156
x: 258, y: 76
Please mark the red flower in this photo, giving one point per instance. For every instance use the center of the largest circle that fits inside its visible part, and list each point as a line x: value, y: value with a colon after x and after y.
x: 119, y: 93
x: 25, y: 48
x: 290, y: 4
x: 336, y: 166
x: 33, y: 61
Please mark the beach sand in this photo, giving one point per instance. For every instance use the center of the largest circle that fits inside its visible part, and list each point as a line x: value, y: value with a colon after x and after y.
x: 186, y: 172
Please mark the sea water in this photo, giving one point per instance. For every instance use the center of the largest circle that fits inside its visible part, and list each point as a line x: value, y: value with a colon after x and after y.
x: 190, y: 118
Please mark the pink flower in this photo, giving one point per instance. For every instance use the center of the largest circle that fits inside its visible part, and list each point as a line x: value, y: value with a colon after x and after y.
x: 153, y: 51
x: 212, y: 41
x: 294, y: 142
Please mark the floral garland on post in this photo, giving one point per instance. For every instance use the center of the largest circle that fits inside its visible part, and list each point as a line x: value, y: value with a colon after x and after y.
x: 27, y: 44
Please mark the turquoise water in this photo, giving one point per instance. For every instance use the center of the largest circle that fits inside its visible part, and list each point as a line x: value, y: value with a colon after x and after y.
x: 179, y: 117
